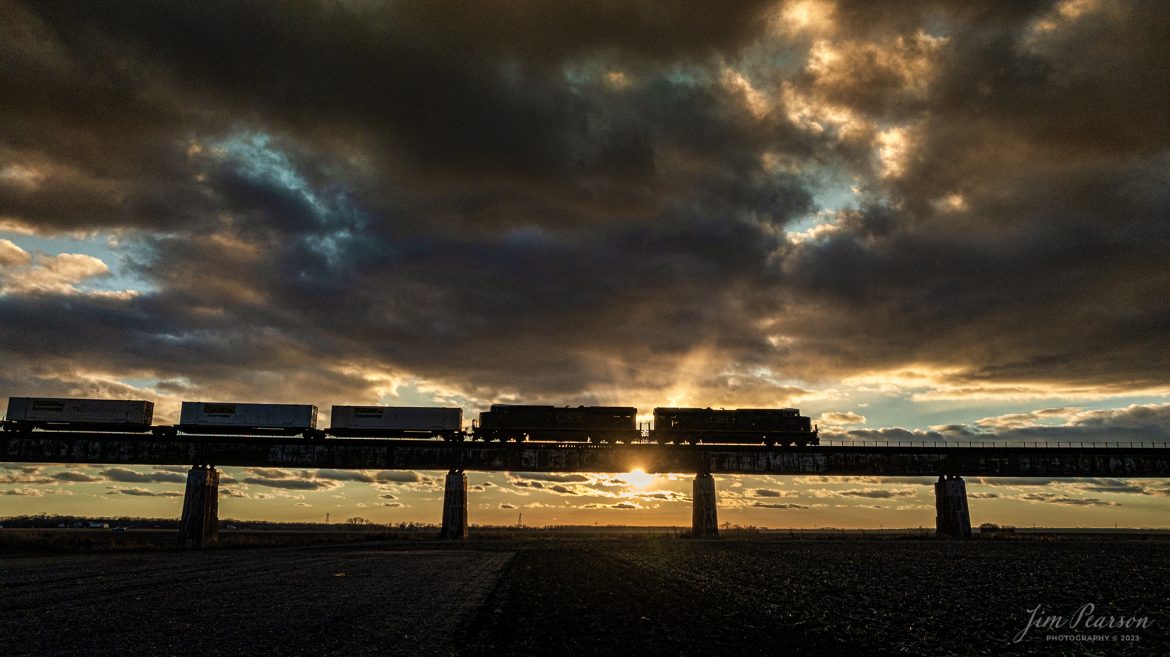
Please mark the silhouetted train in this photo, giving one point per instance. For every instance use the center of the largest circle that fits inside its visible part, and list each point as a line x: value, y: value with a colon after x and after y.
x: 502, y: 422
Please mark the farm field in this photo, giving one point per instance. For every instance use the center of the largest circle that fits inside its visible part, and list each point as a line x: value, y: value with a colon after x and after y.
x: 615, y: 596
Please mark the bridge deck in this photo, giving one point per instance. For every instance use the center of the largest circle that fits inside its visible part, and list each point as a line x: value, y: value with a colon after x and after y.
x: 378, y: 454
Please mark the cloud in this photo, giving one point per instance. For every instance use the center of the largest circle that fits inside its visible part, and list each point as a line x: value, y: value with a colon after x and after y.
x: 271, y: 473
x: 293, y: 484
x: 344, y: 475
x: 507, y: 506
x: 75, y: 477
x: 964, y: 168
x: 877, y: 493
x: 12, y: 255
x: 127, y: 475
x: 143, y: 492
x: 1053, y: 498
x: 837, y: 418
x: 47, y: 274
x: 767, y: 492
x: 554, y: 477
x: 1110, y: 486
x: 769, y: 505
x: 398, y: 476
x: 1149, y: 423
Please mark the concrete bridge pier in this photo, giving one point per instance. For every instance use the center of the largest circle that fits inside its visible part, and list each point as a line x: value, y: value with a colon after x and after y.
x: 952, y: 518
x: 455, y: 505
x: 200, y: 523
x: 704, y: 517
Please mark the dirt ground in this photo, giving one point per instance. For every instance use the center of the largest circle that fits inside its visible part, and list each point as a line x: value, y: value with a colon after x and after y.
x: 652, y: 596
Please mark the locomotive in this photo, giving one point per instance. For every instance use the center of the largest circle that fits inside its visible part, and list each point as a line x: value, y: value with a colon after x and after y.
x: 771, y: 426
x: 604, y: 424
x: 502, y: 422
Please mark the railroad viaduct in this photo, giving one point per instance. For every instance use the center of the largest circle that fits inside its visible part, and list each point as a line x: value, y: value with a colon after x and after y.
x: 950, y: 463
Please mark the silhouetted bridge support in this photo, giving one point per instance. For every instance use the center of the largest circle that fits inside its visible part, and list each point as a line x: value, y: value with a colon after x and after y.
x: 200, y: 523
x: 952, y: 517
x: 455, y: 505
x: 704, y: 513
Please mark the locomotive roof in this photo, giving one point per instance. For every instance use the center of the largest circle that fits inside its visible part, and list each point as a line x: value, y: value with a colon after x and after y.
x: 664, y: 409
x: 552, y: 408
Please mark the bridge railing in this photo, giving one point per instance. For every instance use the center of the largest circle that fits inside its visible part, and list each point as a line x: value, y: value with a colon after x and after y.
x: 1086, y: 444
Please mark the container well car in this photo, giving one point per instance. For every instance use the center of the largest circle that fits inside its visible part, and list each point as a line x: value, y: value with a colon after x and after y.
x: 26, y: 413
x: 231, y: 417
x: 505, y: 422
x: 397, y: 422
x: 771, y: 426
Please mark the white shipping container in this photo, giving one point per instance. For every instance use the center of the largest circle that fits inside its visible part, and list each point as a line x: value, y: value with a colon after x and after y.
x: 80, y: 412
x: 228, y: 416
x: 391, y: 419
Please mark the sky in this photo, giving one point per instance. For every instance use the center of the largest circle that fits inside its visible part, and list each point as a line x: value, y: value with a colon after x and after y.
x: 929, y: 220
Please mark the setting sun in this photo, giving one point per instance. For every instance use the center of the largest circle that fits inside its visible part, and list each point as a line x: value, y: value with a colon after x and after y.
x: 639, y: 479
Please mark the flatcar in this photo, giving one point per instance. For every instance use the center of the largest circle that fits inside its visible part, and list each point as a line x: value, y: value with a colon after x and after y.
x: 271, y: 419
x: 27, y: 413
x: 771, y: 426
x: 607, y: 424
x: 397, y: 422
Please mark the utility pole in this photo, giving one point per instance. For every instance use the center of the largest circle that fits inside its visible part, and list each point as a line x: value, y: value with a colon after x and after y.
x: 520, y: 520
x: 326, y: 517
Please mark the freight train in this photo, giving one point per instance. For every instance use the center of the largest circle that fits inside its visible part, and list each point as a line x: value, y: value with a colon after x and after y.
x: 501, y: 422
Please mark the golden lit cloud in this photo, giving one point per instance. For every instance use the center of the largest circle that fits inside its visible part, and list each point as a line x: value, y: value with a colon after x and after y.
x: 804, y: 16
x: 754, y: 100
x: 40, y: 273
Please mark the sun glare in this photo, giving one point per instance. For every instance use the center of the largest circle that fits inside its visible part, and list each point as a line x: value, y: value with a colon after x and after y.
x: 639, y: 479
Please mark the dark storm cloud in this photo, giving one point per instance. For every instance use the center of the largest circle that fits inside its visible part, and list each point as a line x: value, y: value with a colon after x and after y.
x: 572, y: 202
x: 468, y: 90
x: 1054, y: 141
